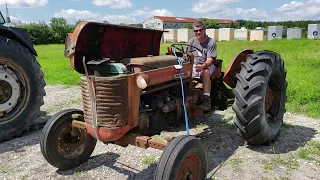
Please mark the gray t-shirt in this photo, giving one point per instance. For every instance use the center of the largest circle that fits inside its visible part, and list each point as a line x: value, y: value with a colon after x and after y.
x: 208, y: 49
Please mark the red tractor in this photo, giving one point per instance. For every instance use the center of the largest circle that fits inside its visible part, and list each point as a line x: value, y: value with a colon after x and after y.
x: 130, y: 92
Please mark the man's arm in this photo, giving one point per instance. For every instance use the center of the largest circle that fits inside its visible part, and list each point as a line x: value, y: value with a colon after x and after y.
x: 211, y: 54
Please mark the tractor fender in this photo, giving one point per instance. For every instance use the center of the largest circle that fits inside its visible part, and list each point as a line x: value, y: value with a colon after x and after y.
x: 234, y: 67
x: 16, y: 35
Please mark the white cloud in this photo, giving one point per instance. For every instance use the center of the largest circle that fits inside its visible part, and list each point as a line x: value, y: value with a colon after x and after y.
x: 295, y: 10
x: 161, y: 12
x: 293, y: 5
x: 18, y: 18
x: 252, y: 14
x: 115, y: 4
x: 90, y: 16
x: 309, y: 10
x: 138, y: 13
x: 239, y: 13
x: 23, y: 3
x: 208, y: 6
x: 73, y: 15
x: 225, y: 9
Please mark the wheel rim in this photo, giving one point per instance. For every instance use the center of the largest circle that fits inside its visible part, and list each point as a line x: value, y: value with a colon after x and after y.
x: 273, y: 99
x: 72, y: 142
x: 13, y: 91
x: 190, y: 167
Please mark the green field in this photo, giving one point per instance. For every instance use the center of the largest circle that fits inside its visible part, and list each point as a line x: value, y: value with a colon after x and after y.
x: 302, y: 61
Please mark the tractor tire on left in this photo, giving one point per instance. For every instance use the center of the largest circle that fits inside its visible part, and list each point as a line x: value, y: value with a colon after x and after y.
x: 184, y: 158
x: 21, y: 89
x: 61, y: 145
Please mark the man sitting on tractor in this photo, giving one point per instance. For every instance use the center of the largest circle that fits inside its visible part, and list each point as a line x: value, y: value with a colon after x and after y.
x: 203, y: 67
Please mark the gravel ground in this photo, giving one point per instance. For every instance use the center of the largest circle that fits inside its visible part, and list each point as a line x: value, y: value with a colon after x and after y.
x: 228, y: 156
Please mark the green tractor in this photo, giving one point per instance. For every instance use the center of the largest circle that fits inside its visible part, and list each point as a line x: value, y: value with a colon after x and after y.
x: 21, y: 82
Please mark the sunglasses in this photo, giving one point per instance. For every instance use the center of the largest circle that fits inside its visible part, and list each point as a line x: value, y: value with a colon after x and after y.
x: 199, y: 30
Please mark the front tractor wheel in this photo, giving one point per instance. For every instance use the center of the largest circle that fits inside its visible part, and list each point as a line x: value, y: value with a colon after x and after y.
x: 260, y: 97
x: 64, y: 146
x: 184, y: 158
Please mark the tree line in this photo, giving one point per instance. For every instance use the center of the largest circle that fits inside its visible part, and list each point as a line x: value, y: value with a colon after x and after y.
x: 213, y: 24
x: 55, y: 31
x: 43, y: 33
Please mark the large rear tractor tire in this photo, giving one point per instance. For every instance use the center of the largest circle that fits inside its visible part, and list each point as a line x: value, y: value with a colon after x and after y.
x: 260, y: 97
x: 21, y: 89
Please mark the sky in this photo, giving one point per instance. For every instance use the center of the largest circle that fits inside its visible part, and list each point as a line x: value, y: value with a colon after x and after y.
x: 136, y: 11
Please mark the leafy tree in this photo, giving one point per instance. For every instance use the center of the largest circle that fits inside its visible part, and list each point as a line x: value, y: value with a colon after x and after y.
x: 132, y: 25
x: 59, y: 28
x: 189, y: 26
x: 210, y: 23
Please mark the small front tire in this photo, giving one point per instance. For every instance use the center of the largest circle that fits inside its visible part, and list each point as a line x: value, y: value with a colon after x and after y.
x: 184, y: 158
x: 62, y: 149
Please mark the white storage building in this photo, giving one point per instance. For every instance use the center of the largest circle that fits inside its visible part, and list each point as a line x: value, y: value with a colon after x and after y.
x: 226, y: 34
x: 314, y: 31
x: 277, y: 32
x: 242, y: 34
x: 258, y: 35
x: 213, y: 33
x: 170, y: 36
x: 295, y: 33
x: 184, y: 34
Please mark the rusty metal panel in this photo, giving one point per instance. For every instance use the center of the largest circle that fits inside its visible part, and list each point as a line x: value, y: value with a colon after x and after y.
x: 235, y: 67
x: 99, y: 40
x: 111, y: 101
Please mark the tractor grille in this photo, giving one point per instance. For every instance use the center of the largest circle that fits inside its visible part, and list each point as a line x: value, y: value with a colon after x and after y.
x: 111, y: 101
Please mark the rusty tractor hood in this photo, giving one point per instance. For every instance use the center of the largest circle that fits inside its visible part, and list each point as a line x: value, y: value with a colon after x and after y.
x: 101, y: 40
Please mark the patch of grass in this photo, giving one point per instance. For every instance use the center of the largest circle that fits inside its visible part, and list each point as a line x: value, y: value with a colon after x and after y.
x: 287, y: 160
x: 76, y: 101
x: 301, y: 58
x: 226, y: 121
x: 3, y: 171
x: 77, y: 173
x: 63, y: 105
x: 148, y: 160
x: 200, y: 126
x: 310, y: 151
x: 24, y: 177
x: 282, y: 178
x: 286, y: 125
x: 268, y: 167
x: 235, y: 163
x: 158, y: 138
x: 56, y: 68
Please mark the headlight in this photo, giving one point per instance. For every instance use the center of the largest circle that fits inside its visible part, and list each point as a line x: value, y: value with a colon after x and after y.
x: 142, y: 81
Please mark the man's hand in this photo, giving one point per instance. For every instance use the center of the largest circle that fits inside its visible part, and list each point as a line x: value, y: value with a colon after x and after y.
x: 200, y: 67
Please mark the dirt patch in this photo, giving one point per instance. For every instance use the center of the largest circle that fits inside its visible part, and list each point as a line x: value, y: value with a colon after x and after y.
x: 228, y: 155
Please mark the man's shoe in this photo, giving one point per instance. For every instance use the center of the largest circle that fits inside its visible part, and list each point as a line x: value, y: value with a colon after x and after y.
x: 206, y: 104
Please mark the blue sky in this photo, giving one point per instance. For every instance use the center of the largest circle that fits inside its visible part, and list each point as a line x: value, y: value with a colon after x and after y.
x: 136, y: 11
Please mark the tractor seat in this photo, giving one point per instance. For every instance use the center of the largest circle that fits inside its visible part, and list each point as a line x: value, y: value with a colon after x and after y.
x: 148, y: 63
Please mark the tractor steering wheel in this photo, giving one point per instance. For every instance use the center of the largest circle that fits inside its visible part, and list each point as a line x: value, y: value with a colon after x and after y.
x: 176, y: 46
x: 184, y: 53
